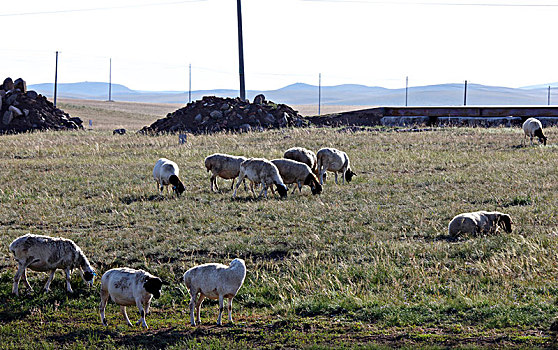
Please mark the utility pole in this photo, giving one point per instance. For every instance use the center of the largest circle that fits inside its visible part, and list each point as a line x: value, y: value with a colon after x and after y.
x: 549, y: 95
x: 240, y: 52
x: 465, y: 94
x: 406, y: 89
x: 189, y: 83
x: 110, y: 79
x: 320, y: 94
x: 55, y: 78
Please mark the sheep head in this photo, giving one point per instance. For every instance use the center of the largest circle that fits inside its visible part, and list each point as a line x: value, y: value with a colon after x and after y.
x: 177, y: 185
x: 540, y: 135
x: 349, y: 175
x: 153, y: 285
x: 282, y: 189
x: 505, y: 222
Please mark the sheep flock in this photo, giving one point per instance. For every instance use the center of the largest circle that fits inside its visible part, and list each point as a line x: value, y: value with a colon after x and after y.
x: 299, y: 167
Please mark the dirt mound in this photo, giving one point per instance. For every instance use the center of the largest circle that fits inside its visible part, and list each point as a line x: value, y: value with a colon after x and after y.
x: 214, y: 114
x: 23, y: 111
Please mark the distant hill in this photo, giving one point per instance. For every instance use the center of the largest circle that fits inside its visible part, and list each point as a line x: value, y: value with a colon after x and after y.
x: 299, y: 93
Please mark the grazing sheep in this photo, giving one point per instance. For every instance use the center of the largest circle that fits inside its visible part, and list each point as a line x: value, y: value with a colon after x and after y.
x: 223, y: 165
x: 533, y: 127
x: 262, y: 171
x: 293, y: 172
x: 480, y: 222
x: 165, y: 172
x: 214, y: 281
x: 47, y: 254
x: 128, y: 287
x: 303, y: 155
x: 334, y: 160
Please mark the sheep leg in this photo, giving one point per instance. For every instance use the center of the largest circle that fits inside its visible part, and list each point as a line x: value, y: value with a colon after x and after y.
x: 17, y: 277
x: 220, y: 310
x: 25, y: 280
x: 264, y: 190
x: 213, y: 181
x: 50, y: 277
x: 123, y: 310
x: 232, y: 185
x: 229, y: 306
x: 192, y: 306
x: 142, y: 312
x: 104, y: 299
x: 68, y: 286
x: 240, y: 179
x: 198, y: 307
x: 337, y: 183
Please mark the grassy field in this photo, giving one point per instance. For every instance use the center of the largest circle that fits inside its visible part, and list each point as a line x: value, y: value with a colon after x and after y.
x: 364, y: 265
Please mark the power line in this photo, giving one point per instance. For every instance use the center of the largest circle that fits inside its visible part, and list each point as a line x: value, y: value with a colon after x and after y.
x: 97, y: 8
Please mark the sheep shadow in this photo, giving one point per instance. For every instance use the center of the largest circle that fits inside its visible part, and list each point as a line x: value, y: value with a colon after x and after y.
x: 159, y: 339
x: 144, y: 198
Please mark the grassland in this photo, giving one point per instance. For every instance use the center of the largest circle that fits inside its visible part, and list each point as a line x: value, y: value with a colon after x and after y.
x: 364, y: 265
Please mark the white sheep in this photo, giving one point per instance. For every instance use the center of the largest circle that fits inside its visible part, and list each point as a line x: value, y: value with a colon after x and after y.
x: 165, y: 172
x: 303, y: 155
x: 331, y: 159
x: 223, y: 165
x: 47, y: 254
x: 214, y: 281
x: 261, y: 171
x: 293, y: 172
x: 480, y: 222
x: 128, y: 287
x: 533, y: 127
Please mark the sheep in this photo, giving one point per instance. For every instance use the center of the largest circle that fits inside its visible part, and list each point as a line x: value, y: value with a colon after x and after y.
x: 166, y: 172
x: 127, y: 287
x: 334, y: 160
x: 223, y: 165
x: 214, y: 281
x: 47, y: 254
x: 303, y: 155
x: 259, y: 170
x: 480, y: 222
x: 292, y: 171
x: 533, y: 127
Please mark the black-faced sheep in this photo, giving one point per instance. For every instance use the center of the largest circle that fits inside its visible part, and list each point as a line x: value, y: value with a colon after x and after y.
x: 165, y: 172
x: 261, y: 171
x: 223, y: 165
x: 533, y: 127
x: 47, y: 254
x: 331, y: 159
x: 214, y: 281
x: 128, y: 287
x: 480, y: 222
x: 293, y: 172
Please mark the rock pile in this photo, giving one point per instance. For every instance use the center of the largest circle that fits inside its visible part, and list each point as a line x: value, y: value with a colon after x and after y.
x: 23, y: 111
x: 214, y: 114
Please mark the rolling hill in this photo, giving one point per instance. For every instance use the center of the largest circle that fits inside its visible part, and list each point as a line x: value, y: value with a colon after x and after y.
x: 302, y: 94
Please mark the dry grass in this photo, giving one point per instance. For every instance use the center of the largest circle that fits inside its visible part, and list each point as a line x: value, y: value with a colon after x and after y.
x: 361, y: 260
x: 134, y: 116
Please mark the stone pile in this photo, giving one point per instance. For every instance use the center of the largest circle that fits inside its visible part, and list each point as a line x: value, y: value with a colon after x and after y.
x: 22, y: 110
x: 215, y: 114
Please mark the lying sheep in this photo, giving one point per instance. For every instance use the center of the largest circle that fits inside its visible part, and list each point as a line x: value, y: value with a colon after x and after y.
x: 47, y: 254
x: 533, y: 127
x: 261, y: 171
x: 223, y: 165
x: 128, y: 287
x: 480, y: 222
x: 293, y: 172
x: 331, y: 159
x: 165, y: 172
x: 214, y: 281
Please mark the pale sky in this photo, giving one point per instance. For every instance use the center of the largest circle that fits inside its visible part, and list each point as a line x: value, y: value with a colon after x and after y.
x: 369, y: 42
